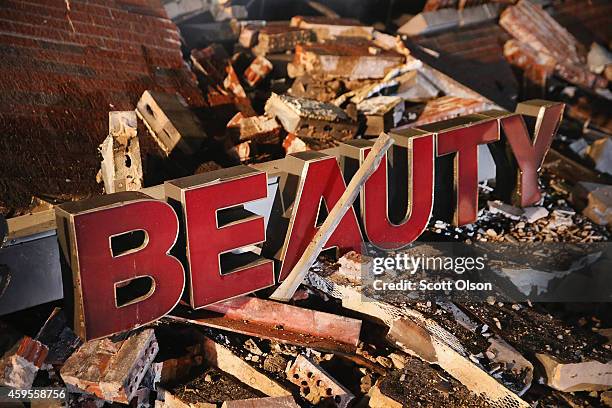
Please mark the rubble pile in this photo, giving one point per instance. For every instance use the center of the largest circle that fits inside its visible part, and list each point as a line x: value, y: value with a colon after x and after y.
x: 297, y: 90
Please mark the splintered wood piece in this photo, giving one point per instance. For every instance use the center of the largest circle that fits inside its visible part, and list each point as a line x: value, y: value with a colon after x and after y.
x: 222, y: 358
x: 286, y: 290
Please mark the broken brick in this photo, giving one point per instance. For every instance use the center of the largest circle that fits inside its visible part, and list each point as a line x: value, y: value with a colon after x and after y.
x: 20, y: 364
x: 293, y: 144
x: 112, y: 368
x: 353, y: 59
x: 326, y: 28
x: 254, y: 127
x: 279, y: 37
x: 382, y: 113
x: 311, y: 118
x: 171, y: 122
x: 257, y: 71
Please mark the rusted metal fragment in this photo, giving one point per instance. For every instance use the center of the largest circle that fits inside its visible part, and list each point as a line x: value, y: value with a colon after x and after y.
x: 382, y: 113
x: 222, y: 358
x: 171, y: 122
x: 316, y: 385
x: 21, y: 362
x: 354, y: 59
x: 121, y: 167
x: 111, y: 369
x: 270, y: 402
x: 211, y: 63
x: 254, y: 127
x: 311, y: 118
x: 584, y: 376
x: 281, y: 322
x: 276, y: 37
x: 326, y: 28
x: 257, y: 71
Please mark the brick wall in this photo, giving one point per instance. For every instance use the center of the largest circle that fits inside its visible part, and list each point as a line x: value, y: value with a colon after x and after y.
x: 62, y: 71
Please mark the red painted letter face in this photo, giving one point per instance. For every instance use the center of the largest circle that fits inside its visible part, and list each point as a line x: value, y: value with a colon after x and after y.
x: 530, y: 152
x: 463, y: 142
x: 113, y: 242
x: 217, y: 227
x: 321, y: 178
x: 381, y: 232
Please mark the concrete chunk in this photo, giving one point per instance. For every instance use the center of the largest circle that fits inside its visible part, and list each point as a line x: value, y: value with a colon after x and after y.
x: 222, y: 358
x: 585, y: 376
x: 600, y: 151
